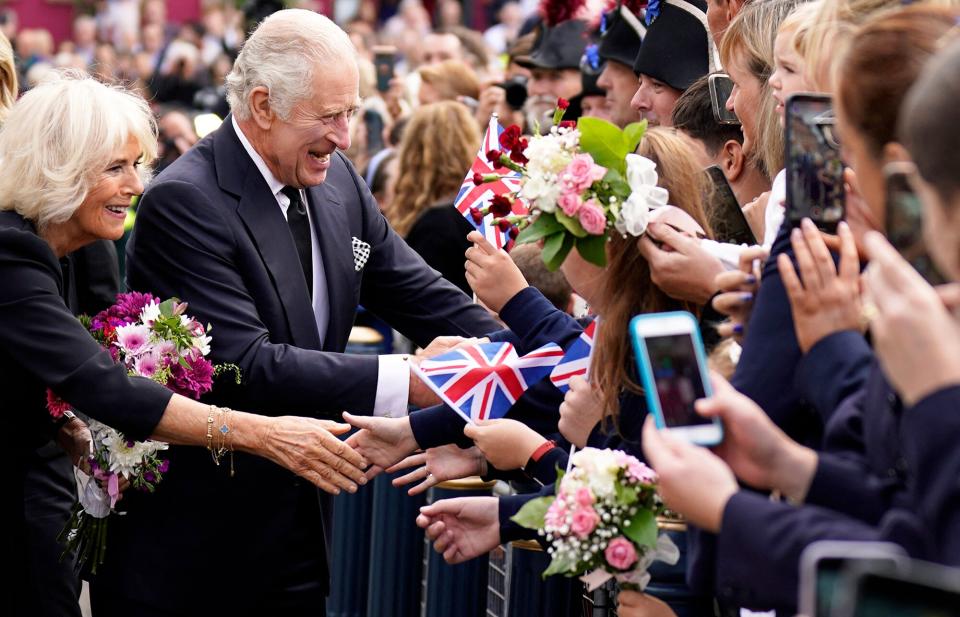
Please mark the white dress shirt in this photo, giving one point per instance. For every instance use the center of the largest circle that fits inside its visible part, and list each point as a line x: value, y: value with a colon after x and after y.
x: 393, y: 381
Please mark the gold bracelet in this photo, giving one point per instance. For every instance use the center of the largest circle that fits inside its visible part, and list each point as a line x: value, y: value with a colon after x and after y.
x: 210, y: 433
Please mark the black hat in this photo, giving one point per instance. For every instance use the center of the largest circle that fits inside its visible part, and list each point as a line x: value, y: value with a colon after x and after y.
x: 621, y: 31
x: 558, y: 47
x: 678, y: 48
x: 589, y: 85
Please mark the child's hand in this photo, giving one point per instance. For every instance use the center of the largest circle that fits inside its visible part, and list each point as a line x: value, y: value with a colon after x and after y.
x: 491, y: 273
x: 580, y: 411
x: 506, y: 444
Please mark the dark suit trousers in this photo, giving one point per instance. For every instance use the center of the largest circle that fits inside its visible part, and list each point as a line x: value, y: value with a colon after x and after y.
x: 295, y: 587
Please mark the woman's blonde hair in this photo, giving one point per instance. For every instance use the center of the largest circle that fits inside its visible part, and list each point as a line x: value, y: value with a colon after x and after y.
x: 751, y: 35
x: 451, y: 78
x: 8, y: 78
x: 438, y: 147
x: 627, y: 288
x: 59, y: 138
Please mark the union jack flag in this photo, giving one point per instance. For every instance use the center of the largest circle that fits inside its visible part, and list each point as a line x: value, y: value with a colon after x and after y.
x: 483, y: 381
x: 577, y: 359
x: 472, y: 195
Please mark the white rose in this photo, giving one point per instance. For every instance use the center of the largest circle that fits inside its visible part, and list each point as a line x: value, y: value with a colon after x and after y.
x: 641, y: 171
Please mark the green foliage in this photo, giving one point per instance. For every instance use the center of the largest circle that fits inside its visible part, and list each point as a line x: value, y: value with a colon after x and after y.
x: 642, y: 528
x: 604, y: 142
x: 593, y: 249
x: 532, y: 513
x: 545, y: 225
x: 555, y: 249
x: 571, y: 224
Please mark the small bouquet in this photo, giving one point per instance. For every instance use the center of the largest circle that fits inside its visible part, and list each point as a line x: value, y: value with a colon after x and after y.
x: 602, y: 521
x: 581, y: 181
x: 151, y: 339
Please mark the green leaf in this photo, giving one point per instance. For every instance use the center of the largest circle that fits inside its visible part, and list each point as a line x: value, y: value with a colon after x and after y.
x: 166, y: 308
x: 633, y: 134
x: 532, y: 513
x: 545, y: 225
x: 593, y: 249
x: 626, y: 494
x: 642, y: 528
x: 560, y: 566
x: 571, y: 224
x: 555, y: 249
x: 618, y: 184
x: 604, y: 141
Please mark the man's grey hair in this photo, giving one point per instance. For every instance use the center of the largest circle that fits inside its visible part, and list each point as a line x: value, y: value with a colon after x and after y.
x: 282, y: 55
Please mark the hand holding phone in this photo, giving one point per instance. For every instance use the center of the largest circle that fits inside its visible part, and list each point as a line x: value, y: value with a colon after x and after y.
x: 384, y: 61
x: 673, y: 369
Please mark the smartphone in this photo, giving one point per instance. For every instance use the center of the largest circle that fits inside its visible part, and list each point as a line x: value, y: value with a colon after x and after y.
x: 822, y: 564
x: 904, y: 221
x: 384, y: 61
x: 673, y: 370
x: 721, y: 86
x: 913, y: 589
x: 814, y: 168
x: 726, y: 216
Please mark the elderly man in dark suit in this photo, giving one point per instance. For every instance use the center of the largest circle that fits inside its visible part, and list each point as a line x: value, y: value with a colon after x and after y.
x: 266, y: 229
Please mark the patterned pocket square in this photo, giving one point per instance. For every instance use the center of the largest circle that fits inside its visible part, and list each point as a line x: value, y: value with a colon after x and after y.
x: 361, y: 253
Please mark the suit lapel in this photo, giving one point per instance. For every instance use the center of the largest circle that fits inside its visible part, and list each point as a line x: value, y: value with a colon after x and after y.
x: 264, y: 222
x: 333, y: 235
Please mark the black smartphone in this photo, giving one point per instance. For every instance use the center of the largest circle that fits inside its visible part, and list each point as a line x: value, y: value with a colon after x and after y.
x: 823, y: 563
x: 814, y: 167
x: 384, y: 61
x: 726, y: 217
x: 721, y: 86
x: 904, y: 221
x: 915, y: 589
x: 374, y: 122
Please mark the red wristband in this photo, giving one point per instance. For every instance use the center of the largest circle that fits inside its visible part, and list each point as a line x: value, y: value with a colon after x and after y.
x: 542, y: 449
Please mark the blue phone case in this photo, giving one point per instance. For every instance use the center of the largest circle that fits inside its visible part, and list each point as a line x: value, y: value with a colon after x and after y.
x: 646, y: 370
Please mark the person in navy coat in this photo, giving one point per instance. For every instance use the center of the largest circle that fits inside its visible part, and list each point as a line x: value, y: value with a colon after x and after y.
x: 268, y: 232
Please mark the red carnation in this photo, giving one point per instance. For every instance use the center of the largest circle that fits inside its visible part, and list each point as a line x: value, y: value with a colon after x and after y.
x: 476, y: 215
x: 494, y: 156
x: 508, y: 138
x: 514, y: 232
x: 568, y: 124
x: 516, y: 155
x: 501, y: 206
x: 56, y: 405
x: 477, y: 178
x: 504, y: 225
x: 562, y: 103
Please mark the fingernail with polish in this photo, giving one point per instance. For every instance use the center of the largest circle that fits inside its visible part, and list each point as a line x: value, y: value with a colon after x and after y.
x: 750, y: 279
x: 738, y: 328
x: 746, y: 297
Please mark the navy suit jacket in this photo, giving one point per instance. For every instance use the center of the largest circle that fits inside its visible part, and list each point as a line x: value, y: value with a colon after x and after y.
x: 210, y: 232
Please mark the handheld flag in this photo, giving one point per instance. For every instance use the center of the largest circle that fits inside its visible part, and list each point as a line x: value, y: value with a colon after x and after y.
x: 577, y: 359
x: 472, y: 195
x: 483, y: 381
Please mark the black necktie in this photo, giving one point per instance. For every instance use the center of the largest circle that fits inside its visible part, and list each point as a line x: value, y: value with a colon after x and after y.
x: 300, y: 230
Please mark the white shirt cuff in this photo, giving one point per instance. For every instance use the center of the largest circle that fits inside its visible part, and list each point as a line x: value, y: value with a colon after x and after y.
x: 393, y: 386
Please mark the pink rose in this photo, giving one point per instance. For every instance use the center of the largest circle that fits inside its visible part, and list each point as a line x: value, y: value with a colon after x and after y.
x: 584, y: 522
x: 584, y: 497
x: 620, y: 553
x: 581, y: 172
x: 592, y: 218
x: 569, y: 202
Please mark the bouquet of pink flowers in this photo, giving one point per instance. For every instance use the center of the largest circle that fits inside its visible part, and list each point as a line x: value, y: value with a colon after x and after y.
x: 151, y: 339
x: 581, y: 181
x: 602, y: 521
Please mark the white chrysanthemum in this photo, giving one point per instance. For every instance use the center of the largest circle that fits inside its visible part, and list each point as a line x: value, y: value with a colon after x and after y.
x: 202, y: 343
x: 150, y: 313
x: 124, y: 456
